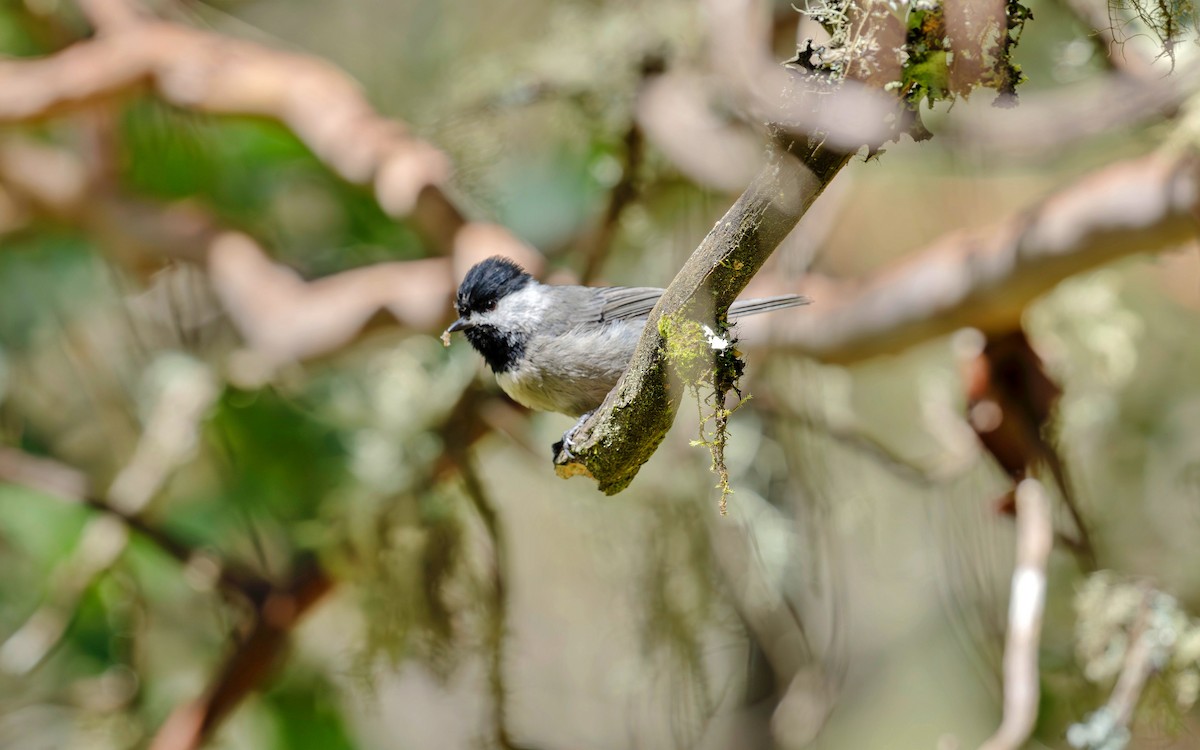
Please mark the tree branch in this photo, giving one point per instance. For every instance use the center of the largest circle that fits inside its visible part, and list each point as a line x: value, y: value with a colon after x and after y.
x: 625, y: 431
x: 986, y: 278
x: 251, y: 663
x: 207, y: 72
x: 1025, y: 607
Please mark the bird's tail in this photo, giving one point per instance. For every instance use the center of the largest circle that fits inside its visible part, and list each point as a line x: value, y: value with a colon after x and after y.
x: 745, y: 307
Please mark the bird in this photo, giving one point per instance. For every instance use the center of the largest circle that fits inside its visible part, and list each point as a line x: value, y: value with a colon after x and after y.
x: 557, y: 347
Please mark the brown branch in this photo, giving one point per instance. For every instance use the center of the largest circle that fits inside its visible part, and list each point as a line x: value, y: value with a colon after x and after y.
x: 279, y: 609
x: 986, y: 278
x: 1011, y: 401
x: 251, y: 663
x: 854, y: 113
x: 101, y: 544
x: 1062, y: 118
x: 625, y: 431
x: 281, y: 317
x: 1097, y: 16
x: 622, y: 195
x: 65, y: 482
x: 207, y: 72
x: 499, y: 604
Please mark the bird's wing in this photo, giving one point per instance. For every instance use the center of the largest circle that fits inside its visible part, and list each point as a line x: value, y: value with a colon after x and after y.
x: 599, y: 304
x: 629, y: 303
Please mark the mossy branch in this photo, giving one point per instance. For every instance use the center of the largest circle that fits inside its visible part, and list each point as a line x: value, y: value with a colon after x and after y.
x: 626, y: 430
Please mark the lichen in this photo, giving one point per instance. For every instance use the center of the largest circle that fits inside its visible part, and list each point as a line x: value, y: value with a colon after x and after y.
x: 1167, y: 20
x: 706, y: 360
x: 912, y: 44
x: 1117, y: 617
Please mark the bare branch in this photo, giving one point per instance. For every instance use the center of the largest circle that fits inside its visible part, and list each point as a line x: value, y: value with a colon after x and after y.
x: 281, y: 317
x: 67, y: 483
x: 250, y: 664
x: 1035, y: 535
x: 100, y: 545
x: 625, y: 431
x: 847, y: 116
x: 1119, y: 54
x: 1011, y: 401
x: 206, y: 72
x: 1057, y: 118
x: 110, y: 15
x: 986, y: 278
x: 1149, y: 638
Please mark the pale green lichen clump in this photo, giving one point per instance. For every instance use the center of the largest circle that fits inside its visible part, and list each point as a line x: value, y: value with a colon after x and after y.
x: 1117, y: 617
x: 704, y: 358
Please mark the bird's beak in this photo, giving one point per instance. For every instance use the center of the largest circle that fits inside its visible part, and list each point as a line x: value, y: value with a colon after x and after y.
x: 459, y: 325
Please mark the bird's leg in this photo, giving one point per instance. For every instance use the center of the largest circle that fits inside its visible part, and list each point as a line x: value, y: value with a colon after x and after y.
x: 564, y: 446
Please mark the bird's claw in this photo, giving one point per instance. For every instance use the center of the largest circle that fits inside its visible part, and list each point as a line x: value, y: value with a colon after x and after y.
x: 562, y: 449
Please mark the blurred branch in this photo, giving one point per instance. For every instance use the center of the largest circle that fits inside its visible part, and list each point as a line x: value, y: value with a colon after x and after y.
x: 102, y: 542
x: 100, y: 545
x: 1149, y: 644
x: 207, y: 72
x: 986, y: 278
x: 67, y: 483
x: 168, y: 439
x: 1025, y: 607
x: 249, y: 666
x: 1097, y: 16
x: 848, y: 115
x: 498, y: 615
x: 598, y: 244
x: 1058, y: 118
x: 613, y: 443
x: 279, y: 608
x: 1141, y: 660
x: 1011, y: 401
x: 285, y: 319
x: 282, y: 317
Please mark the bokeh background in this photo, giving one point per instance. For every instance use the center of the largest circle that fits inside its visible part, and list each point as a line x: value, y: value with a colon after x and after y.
x: 455, y: 593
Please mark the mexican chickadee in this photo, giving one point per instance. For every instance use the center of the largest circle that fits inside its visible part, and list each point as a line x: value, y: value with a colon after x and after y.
x: 560, y: 348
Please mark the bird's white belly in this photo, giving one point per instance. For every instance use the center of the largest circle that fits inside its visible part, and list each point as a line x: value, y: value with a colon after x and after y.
x: 570, y: 374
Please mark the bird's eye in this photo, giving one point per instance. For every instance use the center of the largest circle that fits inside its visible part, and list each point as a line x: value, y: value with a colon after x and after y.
x: 489, y: 306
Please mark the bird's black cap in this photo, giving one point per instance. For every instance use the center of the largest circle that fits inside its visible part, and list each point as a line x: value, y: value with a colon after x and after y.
x: 487, y: 283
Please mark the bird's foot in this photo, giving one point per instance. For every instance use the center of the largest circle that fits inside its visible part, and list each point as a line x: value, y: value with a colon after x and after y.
x: 562, y: 449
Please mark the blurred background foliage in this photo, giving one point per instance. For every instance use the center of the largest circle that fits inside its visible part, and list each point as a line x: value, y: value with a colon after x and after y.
x: 861, y: 499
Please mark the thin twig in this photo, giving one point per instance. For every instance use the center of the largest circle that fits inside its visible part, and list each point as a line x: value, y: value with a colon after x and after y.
x: 498, y: 631
x: 67, y: 483
x: 251, y: 663
x: 1035, y: 531
x: 623, y: 194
